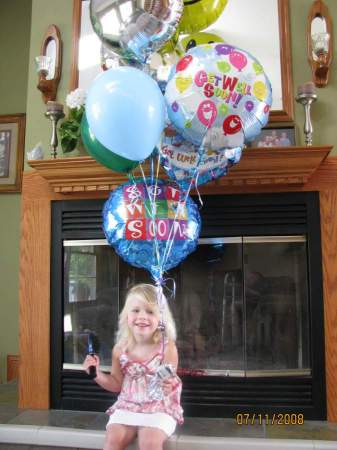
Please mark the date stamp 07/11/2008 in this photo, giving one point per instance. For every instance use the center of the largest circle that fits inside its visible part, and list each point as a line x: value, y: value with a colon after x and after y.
x: 269, y: 419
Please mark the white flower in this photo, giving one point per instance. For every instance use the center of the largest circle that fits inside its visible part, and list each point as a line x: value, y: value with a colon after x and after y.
x: 76, y: 98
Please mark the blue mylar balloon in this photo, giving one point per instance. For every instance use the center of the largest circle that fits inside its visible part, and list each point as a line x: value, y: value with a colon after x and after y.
x: 150, y: 226
x: 126, y: 111
x: 186, y: 163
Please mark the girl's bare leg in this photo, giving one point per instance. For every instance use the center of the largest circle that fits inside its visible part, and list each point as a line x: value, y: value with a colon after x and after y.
x: 151, y: 438
x: 118, y: 437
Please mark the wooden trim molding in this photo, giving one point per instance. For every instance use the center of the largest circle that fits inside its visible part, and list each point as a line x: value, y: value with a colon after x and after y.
x: 76, y: 27
x: 38, y: 193
x: 34, y: 290
x: 259, y: 167
x: 34, y: 303
x: 328, y: 206
x: 287, y: 113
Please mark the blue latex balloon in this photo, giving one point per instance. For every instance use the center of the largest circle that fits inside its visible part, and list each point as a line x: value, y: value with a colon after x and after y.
x: 187, y: 163
x: 125, y: 111
x: 155, y: 232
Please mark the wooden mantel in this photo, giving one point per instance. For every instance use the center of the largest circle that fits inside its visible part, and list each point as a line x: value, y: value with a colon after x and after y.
x: 258, y: 167
x: 260, y: 170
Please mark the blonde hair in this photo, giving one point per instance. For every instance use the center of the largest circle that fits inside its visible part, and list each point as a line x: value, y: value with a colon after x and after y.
x: 149, y: 294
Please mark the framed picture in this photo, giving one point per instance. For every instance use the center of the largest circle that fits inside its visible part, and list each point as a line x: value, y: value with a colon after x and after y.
x: 12, y: 139
x: 275, y: 137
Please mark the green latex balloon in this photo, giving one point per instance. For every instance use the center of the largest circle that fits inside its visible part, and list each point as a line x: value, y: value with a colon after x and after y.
x: 192, y: 40
x: 103, y: 155
x: 200, y: 14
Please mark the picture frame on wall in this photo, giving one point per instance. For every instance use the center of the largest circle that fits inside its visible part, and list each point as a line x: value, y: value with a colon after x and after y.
x: 12, y: 139
x: 275, y: 137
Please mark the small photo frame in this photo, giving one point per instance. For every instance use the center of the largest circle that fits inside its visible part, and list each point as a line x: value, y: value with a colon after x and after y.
x: 275, y: 137
x: 12, y: 139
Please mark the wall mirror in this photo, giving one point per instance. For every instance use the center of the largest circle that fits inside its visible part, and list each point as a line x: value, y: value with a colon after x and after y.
x: 48, y: 64
x: 266, y: 36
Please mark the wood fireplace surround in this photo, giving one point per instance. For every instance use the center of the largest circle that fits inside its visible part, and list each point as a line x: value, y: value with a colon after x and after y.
x: 260, y: 170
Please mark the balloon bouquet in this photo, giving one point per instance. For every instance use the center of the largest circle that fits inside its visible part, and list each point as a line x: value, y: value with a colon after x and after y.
x: 217, y: 97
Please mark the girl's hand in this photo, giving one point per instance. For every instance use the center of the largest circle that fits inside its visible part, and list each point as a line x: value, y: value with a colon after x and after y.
x: 169, y: 384
x: 91, y: 360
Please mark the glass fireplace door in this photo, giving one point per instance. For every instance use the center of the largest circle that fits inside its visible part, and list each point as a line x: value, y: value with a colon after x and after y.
x: 241, y: 305
x: 91, y: 301
x: 276, y: 305
x: 209, y: 309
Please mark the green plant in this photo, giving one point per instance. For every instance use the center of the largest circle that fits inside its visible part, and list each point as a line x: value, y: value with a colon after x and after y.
x: 70, y: 128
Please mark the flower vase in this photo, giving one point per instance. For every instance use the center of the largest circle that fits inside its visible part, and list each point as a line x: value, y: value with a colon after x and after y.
x: 80, y: 149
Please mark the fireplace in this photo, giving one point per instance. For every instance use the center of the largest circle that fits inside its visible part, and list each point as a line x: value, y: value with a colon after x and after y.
x: 249, y: 306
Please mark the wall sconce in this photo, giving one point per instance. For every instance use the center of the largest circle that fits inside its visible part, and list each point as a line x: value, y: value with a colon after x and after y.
x: 108, y: 58
x: 48, y: 64
x: 319, y: 42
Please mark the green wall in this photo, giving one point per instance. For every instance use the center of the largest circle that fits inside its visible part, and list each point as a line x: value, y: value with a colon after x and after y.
x: 14, y: 50
x: 44, y: 13
x: 324, y: 111
x: 59, y: 12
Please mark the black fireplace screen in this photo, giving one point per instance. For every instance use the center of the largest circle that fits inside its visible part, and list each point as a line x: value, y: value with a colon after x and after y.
x: 248, y: 306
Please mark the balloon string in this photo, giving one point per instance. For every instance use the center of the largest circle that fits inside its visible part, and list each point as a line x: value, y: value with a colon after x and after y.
x: 151, y: 169
x: 152, y: 201
x: 154, y: 222
x: 158, y: 164
x: 150, y: 212
x: 161, y: 326
x: 160, y: 266
x: 173, y: 229
x: 194, y: 179
x: 162, y: 301
x: 198, y: 192
x: 152, y: 183
x: 174, y: 287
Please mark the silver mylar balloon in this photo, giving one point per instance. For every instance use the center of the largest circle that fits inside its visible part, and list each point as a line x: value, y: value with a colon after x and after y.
x: 134, y: 29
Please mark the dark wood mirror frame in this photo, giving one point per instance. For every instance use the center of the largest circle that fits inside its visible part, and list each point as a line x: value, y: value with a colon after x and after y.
x: 284, y: 115
x: 320, y: 68
x: 49, y: 87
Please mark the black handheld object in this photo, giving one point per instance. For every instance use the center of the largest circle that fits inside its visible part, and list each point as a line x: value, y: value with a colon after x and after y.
x: 92, y: 369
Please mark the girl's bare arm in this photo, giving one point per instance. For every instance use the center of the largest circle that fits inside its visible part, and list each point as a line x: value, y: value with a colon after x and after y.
x: 170, y: 357
x: 110, y: 381
x: 171, y: 354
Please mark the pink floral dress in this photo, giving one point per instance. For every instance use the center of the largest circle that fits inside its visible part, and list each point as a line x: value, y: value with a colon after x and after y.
x: 135, y: 393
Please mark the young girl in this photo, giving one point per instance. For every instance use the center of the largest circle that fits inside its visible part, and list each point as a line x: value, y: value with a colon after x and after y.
x: 145, y: 405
